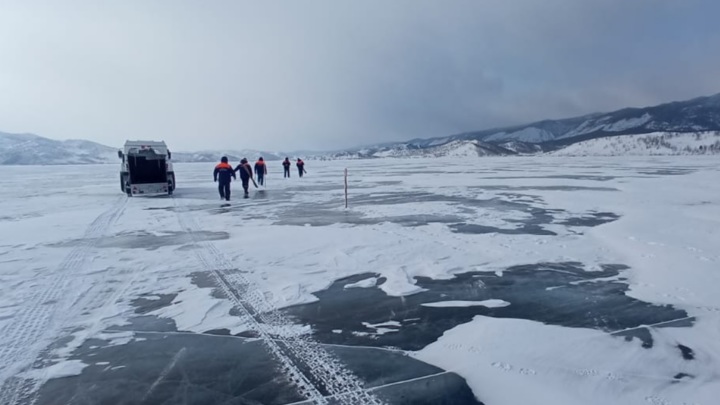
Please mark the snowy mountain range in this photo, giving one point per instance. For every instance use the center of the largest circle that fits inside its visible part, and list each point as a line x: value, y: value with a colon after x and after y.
x: 698, y: 115
x: 29, y: 149
x: 686, y: 127
x: 651, y: 144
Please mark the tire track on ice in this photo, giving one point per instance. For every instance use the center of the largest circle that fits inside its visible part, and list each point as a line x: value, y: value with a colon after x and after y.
x: 313, y: 370
x: 34, y: 327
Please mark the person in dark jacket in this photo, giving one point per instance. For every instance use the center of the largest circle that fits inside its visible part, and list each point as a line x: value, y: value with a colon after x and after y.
x: 301, y: 167
x: 286, y: 168
x: 260, y: 171
x: 245, y: 174
x: 223, y: 175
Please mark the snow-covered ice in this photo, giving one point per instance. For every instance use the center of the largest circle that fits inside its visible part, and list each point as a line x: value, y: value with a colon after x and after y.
x: 88, y: 277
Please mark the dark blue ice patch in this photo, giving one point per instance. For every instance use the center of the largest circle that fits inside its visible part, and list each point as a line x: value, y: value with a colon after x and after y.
x: 563, y: 294
x: 194, y: 369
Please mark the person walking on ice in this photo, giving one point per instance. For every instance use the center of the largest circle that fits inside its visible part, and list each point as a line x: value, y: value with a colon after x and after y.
x: 286, y: 168
x: 245, y: 175
x: 260, y: 171
x: 223, y: 175
x: 301, y: 167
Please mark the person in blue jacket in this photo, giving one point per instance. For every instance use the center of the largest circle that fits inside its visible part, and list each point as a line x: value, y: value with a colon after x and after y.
x: 223, y: 175
x: 286, y: 167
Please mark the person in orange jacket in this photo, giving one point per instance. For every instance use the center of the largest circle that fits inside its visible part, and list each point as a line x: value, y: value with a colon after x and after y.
x: 225, y: 173
x: 301, y: 167
x: 260, y: 171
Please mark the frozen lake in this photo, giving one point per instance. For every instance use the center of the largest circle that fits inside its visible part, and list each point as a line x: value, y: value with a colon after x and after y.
x: 465, y: 281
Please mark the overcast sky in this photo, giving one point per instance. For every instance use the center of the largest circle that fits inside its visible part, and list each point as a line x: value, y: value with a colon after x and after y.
x: 331, y: 74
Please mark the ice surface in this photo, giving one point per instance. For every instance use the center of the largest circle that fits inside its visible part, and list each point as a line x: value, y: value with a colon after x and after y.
x: 78, y: 263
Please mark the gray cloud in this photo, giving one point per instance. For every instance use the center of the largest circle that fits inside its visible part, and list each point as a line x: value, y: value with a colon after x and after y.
x: 328, y: 74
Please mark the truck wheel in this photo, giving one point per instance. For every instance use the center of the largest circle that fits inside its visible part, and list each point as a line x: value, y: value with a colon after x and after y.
x: 124, y: 185
x: 171, y: 181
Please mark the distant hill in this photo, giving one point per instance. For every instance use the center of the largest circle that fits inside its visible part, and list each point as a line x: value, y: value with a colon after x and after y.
x: 30, y: 149
x: 26, y: 149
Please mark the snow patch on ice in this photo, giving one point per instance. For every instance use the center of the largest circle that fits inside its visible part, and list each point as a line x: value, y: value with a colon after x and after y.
x: 399, y: 283
x: 365, y: 283
x: 65, y: 368
x: 377, y: 325
x: 116, y: 338
x: 574, y: 365
x: 491, y: 303
x: 195, y: 310
x: 381, y: 328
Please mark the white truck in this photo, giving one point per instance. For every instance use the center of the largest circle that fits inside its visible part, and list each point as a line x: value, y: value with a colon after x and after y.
x: 146, y: 168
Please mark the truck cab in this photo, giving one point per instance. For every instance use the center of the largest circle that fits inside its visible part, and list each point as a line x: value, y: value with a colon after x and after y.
x: 146, y: 168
